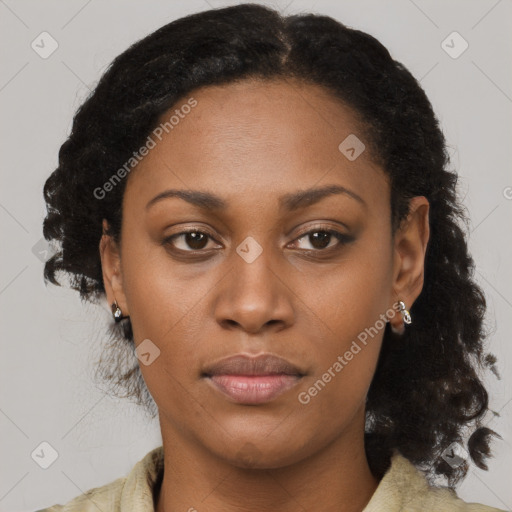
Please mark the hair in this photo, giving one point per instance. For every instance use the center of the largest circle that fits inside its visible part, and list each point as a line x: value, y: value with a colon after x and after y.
x: 426, y: 392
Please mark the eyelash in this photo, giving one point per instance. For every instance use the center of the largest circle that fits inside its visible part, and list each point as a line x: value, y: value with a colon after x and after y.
x: 342, y: 238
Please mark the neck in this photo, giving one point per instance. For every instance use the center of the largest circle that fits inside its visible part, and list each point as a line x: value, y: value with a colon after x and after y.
x: 334, y: 479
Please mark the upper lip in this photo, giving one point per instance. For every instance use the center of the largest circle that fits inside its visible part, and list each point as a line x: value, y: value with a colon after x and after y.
x: 243, y: 364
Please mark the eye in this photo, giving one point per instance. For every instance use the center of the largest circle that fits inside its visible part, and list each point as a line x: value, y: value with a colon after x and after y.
x: 322, y: 238
x: 194, y: 239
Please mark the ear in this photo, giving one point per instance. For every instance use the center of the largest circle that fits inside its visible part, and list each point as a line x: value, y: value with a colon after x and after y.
x: 111, y: 269
x: 410, y: 245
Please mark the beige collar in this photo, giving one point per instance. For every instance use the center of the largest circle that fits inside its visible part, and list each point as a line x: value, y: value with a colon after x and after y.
x: 403, y: 488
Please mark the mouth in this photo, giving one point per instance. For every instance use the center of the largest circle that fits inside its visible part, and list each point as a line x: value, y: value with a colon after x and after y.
x: 252, y: 380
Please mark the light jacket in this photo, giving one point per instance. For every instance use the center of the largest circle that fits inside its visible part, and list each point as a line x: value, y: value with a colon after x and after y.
x: 402, y: 489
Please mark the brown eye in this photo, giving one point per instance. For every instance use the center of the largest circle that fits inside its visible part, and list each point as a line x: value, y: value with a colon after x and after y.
x: 321, y: 239
x: 196, y: 240
x: 189, y: 241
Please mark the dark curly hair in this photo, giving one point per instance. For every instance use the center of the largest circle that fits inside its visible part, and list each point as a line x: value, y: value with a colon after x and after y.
x: 427, y: 392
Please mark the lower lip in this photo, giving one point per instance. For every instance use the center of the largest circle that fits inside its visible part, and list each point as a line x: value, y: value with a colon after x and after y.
x: 253, y: 389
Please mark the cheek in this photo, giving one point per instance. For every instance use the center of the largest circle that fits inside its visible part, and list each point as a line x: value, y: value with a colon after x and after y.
x: 161, y: 307
x: 349, y: 295
x: 349, y: 303
x: 166, y: 302
x: 158, y: 292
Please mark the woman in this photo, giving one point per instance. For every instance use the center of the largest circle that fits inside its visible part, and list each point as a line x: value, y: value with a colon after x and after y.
x: 265, y: 204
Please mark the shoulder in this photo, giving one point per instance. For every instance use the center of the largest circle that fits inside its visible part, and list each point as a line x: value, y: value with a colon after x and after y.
x: 105, y: 498
x: 405, y: 488
x: 132, y: 493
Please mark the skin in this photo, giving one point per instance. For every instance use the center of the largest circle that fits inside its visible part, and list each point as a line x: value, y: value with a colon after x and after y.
x: 251, y: 143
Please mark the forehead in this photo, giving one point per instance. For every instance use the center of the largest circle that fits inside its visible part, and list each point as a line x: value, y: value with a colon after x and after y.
x: 257, y: 136
x: 235, y: 119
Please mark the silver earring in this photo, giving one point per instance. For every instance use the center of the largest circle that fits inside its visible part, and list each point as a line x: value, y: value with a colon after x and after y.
x: 405, y: 314
x: 116, y: 311
x: 406, y: 317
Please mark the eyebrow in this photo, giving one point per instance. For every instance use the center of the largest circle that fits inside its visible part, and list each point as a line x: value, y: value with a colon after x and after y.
x: 290, y: 202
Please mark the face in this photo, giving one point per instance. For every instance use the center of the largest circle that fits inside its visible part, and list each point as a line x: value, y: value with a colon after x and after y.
x: 287, y: 252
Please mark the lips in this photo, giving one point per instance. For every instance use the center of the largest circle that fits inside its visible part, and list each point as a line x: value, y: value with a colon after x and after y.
x: 252, y: 380
x: 241, y: 364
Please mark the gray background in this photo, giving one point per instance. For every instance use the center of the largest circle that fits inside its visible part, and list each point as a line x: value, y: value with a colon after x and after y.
x: 50, y: 340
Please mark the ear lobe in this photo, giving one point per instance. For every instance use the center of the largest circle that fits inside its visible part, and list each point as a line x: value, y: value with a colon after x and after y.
x: 111, y: 269
x: 410, y: 246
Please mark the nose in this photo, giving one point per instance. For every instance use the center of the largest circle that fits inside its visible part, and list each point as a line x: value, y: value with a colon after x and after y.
x: 254, y: 297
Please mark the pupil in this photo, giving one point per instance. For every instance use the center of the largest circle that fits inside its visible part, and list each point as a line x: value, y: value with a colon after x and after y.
x: 195, y: 240
x: 320, y: 236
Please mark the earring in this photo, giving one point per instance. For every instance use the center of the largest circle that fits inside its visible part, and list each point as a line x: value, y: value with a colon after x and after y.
x: 116, y: 311
x: 405, y: 314
x: 406, y: 317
